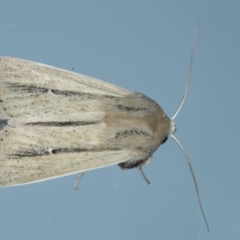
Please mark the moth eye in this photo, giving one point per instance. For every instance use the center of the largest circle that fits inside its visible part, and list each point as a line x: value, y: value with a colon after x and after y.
x: 164, y: 140
x: 175, y: 129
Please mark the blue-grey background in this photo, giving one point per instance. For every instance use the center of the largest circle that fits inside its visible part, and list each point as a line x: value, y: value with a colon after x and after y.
x: 143, y: 46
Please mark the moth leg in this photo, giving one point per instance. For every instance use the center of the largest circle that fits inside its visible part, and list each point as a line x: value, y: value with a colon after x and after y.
x: 136, y: 164
x: 78, y: 180
x: 143, y: 175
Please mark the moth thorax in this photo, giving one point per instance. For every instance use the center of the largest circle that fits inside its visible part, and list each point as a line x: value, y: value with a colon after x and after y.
x: 173, y: 128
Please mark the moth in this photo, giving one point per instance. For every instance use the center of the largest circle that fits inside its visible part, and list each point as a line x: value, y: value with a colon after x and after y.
x: 55, y: 122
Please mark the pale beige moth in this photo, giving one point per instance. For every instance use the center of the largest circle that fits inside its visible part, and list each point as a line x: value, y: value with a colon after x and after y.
x: 55, y: 122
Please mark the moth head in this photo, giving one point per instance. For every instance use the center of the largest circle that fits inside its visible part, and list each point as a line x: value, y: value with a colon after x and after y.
x: 173, y: 128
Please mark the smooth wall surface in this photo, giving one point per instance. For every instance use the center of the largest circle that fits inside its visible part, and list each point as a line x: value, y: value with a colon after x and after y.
x: 143, y: 46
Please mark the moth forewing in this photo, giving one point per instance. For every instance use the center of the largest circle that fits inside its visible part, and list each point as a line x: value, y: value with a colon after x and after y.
x: 55, y: 123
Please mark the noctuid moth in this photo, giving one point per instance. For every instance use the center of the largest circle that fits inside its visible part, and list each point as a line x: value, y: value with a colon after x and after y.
x: 55, y: 123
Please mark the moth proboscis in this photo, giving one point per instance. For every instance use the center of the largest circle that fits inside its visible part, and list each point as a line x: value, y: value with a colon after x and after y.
x: 54, y: 123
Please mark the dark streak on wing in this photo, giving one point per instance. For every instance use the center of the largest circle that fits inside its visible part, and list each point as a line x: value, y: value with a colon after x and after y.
x: 3, y: 123
x: 133, y: 131
x: 35, y: 153
x: 61, y: 124
x: 127, y: 108
x: 28, y: 88
x: 87, y: 95
x: 36, y: 89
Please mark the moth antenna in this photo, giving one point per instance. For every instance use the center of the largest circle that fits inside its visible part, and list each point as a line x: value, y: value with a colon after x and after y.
x: 77, y: 180
x: 189, y: 74
x: 193, y: 176
x: 143, y: 175
x: 173, y: 126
